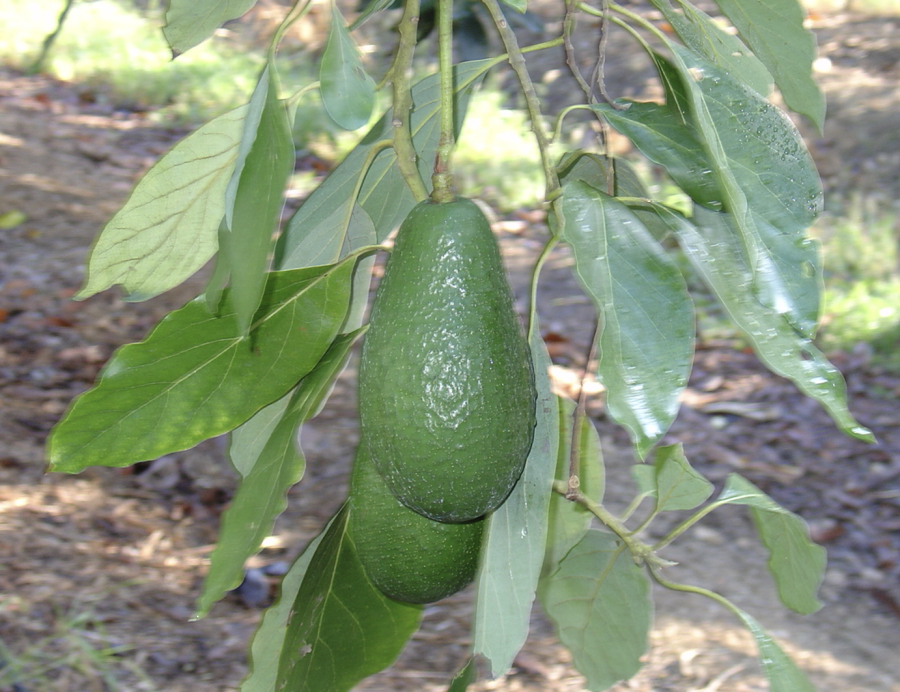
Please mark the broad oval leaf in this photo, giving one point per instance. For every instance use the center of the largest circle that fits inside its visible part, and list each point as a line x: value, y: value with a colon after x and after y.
x: 348, y: 92
x: 167, y: 229
x: 341, y: 628
x: 513, y: 549
x: 647, y: 342
x: 599, y: 600
x: 796, y: 563
x: 384, y: 195
x: 569, y: 521
x: 189, y: 22
x: 196, y: 376
x: 275, y: 465
x: 774, y: 30
x: 255, y: 195
x: 678, y: 485
x: 711, y: 243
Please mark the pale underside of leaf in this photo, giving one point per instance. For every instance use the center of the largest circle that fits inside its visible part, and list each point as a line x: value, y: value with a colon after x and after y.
x: 513, y: 550
x: 167, y: 229
x: 190, y: 22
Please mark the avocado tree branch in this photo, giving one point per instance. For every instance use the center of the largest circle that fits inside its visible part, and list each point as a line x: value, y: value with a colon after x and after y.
x: 400, y: 75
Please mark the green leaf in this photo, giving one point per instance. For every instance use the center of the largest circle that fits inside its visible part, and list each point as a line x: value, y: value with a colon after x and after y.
x: 678, y: 486
x: 594, y: 169
x: 569, y: 521
x: 249, y: 438
x: 517, y: 5
x: 348, y: 92
x: 714, y: 250
x: 265, y: 649
x: 796, y: 563
x: 371, y: 7
x: 265, y: 162
x: 769, y: 184
x: 189, y: 22
x: 701, y: 33
x: 341, y: 629
x: 663, y: 137
x: 599, y: 600
x: 774, y: 30
x: 780, y: 670
x: 196, y: 377
x: 384, y: 195
x: 513, y: 549
x: 275, y: 464
x: 464, y: 678
x: 167, y: 229
x: 647, y: 342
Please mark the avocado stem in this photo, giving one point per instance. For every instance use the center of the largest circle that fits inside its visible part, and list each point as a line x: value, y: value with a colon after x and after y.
x: 442, y: 179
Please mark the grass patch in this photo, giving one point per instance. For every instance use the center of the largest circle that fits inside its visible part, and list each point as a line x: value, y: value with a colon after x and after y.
x: 861, y: 251
x: 110, y: 47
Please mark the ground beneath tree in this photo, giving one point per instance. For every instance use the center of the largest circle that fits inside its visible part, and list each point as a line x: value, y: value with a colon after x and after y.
x: 114, y: 558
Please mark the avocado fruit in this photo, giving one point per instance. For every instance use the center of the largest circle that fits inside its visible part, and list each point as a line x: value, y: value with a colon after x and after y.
x: 407, y: 556
x: 446, y: 386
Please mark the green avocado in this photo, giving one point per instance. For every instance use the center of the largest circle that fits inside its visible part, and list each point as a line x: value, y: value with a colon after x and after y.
x: 407, y: 556
x: 446, y: 387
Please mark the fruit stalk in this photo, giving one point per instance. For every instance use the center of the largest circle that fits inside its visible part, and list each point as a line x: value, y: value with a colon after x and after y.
x: 442, y: 181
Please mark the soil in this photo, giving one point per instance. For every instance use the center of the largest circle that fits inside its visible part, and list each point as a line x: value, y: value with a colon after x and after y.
x: 113, y: 558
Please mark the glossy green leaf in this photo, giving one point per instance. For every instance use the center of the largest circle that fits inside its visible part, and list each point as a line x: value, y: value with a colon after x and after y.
x: 569, y: 521
x: 249, y: 438
x: 768, y: 181
x: 599, y: 601
x: 662, y: 136
x: 384, y: 194
x: 196, y: 377
x: 265, y: 162
x: 647, y: 342
x: 166, y: 230
x: 594, y: 169
x: 710, y: 243
x: 678, y: 485
x: 796, y: 563
x: 265, y: 649
x: 341, y: 628
x: 701, y: 33
x: 774, y: 30
x: 275, y: 464
x: 465, y: 677
x: 514, y: 540
x: 348, y: 92
x: 782, y: 673
x: 189, y: 22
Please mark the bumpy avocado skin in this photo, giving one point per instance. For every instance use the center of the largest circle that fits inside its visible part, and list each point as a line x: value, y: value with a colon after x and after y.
x: 446, y: 387
x: 407, y: 556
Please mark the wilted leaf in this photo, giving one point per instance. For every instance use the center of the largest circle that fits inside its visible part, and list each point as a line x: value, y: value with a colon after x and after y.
x: 599, y: 600
x: 774, y: 30
x: 189, y: 22
x: 168, y: 227
x: 514, y: 540
x: 341, y: 628
x: 275, y: 466
x: 348, y: 92
x: 796, y: 563
x: 647, y: 342
x: 196, y: 377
